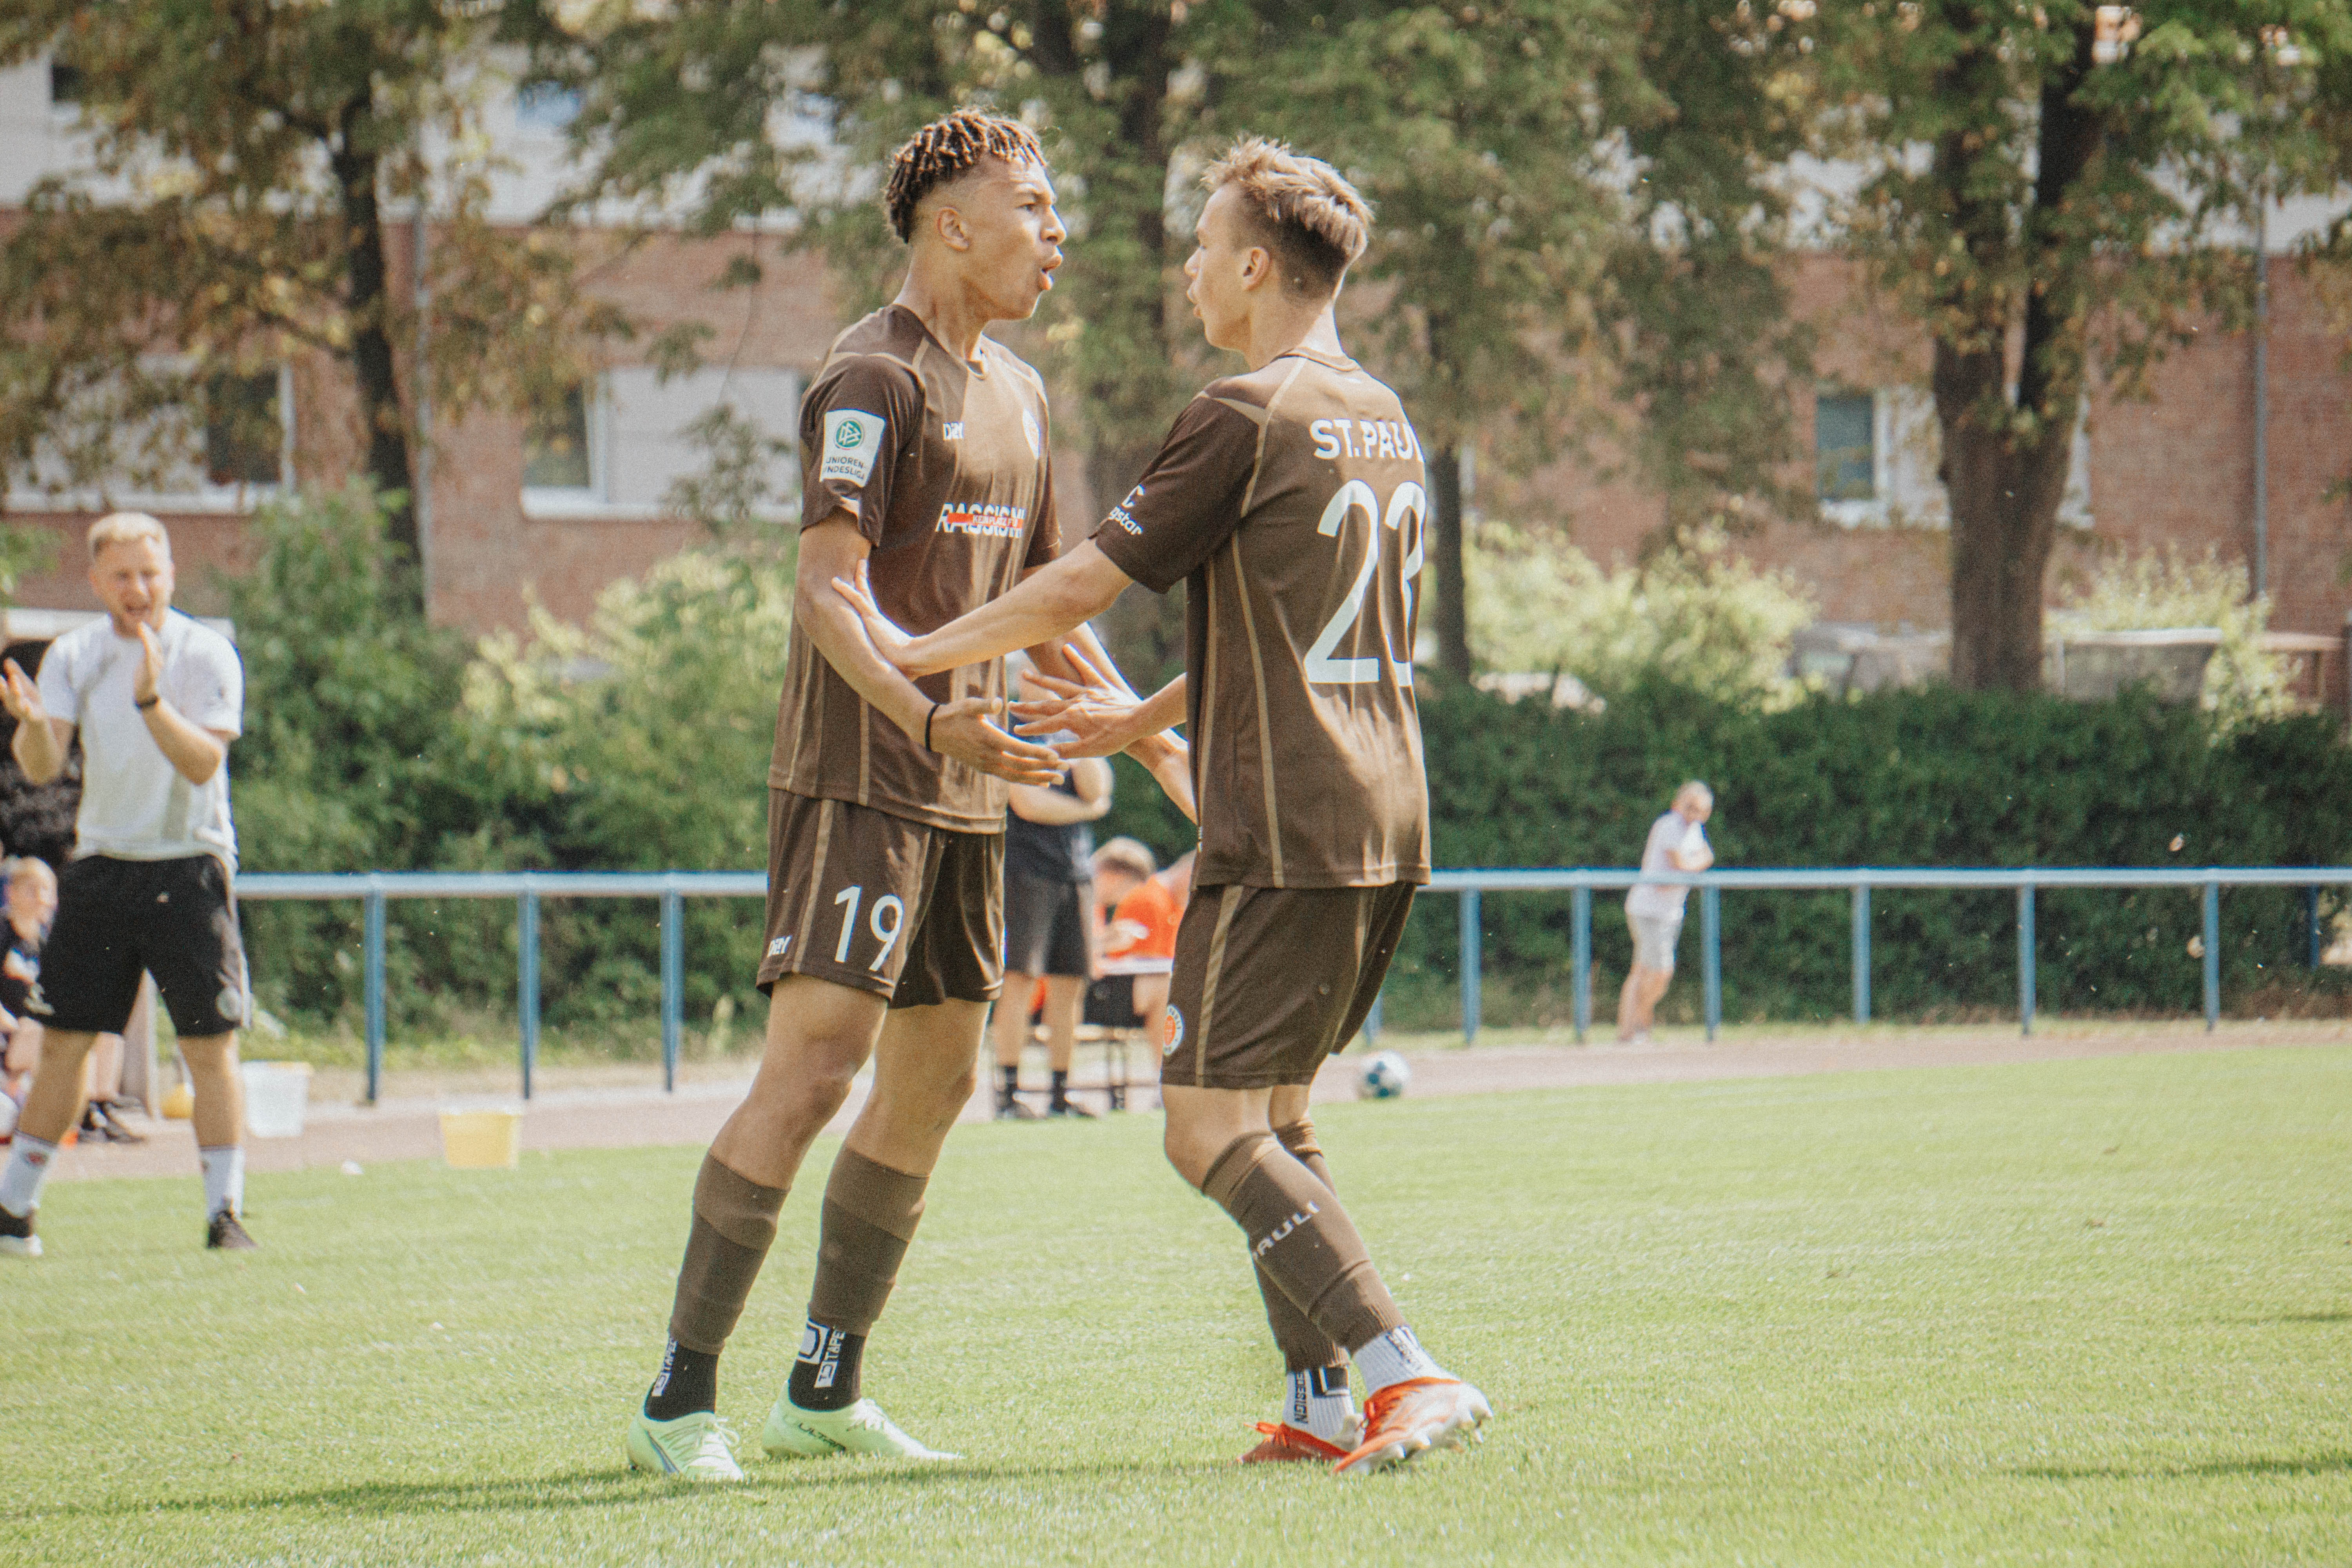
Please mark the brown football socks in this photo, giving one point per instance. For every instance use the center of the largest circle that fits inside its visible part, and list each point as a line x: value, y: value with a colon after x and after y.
x: 1303, y: 1239
x: 1304, y: 1346
x: 734, y: 1223
x: 870, y: 1215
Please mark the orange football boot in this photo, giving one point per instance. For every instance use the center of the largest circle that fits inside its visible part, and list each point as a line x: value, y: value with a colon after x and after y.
x: 1406, y: 1419
x: 1287, y: 1444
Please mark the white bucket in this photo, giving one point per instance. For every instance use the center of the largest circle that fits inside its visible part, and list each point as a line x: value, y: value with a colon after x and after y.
x: 277, y: 1096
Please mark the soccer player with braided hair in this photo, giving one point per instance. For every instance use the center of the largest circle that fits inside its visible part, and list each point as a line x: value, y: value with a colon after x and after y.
x: 925, y: 465
x: 1288, y: 498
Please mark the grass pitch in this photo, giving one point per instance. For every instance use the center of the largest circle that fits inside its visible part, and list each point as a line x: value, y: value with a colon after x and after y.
x: 2093, y: 1310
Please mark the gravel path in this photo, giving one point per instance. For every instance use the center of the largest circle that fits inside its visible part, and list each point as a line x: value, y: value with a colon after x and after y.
x: 623, y: 1115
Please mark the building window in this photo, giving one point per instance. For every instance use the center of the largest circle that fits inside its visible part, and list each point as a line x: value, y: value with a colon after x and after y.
x: 65, y: 84
x: 559, y: 449
x: 245, y: 431
x: 545, y: 107
x: 1846, y: 446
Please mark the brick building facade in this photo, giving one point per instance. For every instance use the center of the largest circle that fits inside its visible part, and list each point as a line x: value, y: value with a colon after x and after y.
x: 512, y: 520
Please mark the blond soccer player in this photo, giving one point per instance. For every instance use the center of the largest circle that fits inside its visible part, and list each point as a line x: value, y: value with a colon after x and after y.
x: 1288, y: 498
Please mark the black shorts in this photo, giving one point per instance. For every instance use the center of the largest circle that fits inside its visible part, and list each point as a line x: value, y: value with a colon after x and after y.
x: 175, y: 920
x: 1045, y: 926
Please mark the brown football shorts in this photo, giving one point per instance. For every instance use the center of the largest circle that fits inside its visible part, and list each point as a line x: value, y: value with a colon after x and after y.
x: 875, y: 902
x: 1270, y: 981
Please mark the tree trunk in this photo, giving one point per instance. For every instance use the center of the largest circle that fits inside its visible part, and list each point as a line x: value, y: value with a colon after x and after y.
x: 1451, y: 588
x: 2005, y: 464
x: 367, y: 298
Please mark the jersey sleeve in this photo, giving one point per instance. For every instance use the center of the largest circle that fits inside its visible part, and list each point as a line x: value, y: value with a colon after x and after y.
x: 211, y: 694
x: 1189, y: 501
x: 56, y: 683
x: 862, y: 416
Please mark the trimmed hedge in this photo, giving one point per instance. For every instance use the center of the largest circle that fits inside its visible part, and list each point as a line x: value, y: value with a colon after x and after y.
x: 1930, y: 776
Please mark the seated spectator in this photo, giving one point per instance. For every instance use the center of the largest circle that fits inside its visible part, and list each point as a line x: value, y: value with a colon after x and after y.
x: 31, y: 900
x: 1139, y: 939
x: 31, y: 904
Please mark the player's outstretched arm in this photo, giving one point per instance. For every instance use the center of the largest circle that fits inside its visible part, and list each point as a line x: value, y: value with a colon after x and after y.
x: 1100, y: 710
x: 834, y: 550
x: 1047, y: 605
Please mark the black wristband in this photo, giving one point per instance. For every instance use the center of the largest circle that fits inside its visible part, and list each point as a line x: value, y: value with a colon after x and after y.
x: 150, y: 703
x: 926, y: 727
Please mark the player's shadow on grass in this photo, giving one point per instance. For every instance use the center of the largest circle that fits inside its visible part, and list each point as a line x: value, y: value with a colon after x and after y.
x: 593, y: 1488
x: 2316, y: 1465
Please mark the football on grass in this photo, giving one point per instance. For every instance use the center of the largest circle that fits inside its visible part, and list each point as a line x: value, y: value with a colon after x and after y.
x: 1385, y: 1077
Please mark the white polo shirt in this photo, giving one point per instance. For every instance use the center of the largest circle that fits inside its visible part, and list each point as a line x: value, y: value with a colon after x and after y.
x: 1663, y: 900
x: 135, y: 805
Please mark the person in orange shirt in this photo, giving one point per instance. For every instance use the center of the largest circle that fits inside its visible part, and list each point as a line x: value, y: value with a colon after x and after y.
x: 1145, y: 908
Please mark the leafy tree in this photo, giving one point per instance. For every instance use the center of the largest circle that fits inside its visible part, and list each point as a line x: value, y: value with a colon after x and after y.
x: 1491, y: 137
x: 232, y: 216
x: 2060, y: 200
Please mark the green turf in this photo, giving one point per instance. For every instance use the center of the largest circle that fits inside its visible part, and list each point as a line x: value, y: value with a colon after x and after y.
x: 2093, y: 1310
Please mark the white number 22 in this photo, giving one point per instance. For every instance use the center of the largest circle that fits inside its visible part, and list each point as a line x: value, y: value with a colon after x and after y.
x: 1408, y: 501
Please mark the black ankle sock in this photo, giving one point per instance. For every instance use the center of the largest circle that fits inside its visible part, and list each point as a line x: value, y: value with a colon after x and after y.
x: 824, y: 1372
x: 1009, y: 1082
x: 1061, y: 1086
x: 687, y: 1382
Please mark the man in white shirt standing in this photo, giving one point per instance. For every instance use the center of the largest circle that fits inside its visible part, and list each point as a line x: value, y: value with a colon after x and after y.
x: 1654, y: 910
x: 157, y: 698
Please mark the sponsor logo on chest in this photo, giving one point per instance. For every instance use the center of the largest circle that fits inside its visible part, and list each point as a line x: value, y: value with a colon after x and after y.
x: 985, y: 518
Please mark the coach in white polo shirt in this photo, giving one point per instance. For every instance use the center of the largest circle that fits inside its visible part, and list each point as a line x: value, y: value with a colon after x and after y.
x: 157, y: 698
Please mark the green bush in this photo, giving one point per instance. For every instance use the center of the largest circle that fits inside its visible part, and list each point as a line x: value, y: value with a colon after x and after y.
x: 641, y: 740
x: 1929, y: 776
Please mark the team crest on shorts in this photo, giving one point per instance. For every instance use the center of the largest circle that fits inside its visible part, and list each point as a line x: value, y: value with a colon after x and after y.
x: 1174, y: 1031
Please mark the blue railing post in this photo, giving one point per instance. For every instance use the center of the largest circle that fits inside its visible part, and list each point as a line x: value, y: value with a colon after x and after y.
x: 1710, y: 931
x: 1580, y: 953
x: 2025, y: 959
x: 527, y: 981
x: 375, y: 995
x: 2311, y: 924
x: 1862, y: 955
x: 673, y: 981
x: 1470, y: 964
x: 2212, y: 957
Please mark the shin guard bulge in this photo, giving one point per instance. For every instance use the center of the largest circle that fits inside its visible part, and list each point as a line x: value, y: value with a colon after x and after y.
x: 734, y: 1223
x: 870, y: 1215
x: 1302, y: 1237
x: 1304, y: 1346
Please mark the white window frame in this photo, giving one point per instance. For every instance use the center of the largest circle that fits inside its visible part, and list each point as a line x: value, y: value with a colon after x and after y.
x: 595, y: 503
x: 204, y: 500
x: 1905, y: 444
x: 574, y: 500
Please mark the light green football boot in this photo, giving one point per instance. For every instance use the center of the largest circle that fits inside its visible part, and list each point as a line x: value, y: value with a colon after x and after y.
x: 697, y: 1446
x: 862, y: 1429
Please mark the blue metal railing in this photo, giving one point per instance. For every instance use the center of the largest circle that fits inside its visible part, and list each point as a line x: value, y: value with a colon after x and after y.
x: 673, y: 888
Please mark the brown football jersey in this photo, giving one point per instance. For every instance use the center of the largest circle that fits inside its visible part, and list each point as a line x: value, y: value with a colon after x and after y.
x: 945, y: 467
x: 1289, y: 501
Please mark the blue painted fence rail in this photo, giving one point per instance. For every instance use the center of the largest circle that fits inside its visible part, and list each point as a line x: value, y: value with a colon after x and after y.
x: 673, y: 888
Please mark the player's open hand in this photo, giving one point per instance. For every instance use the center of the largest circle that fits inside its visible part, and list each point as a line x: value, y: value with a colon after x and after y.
x: 151, y: 665
x: 888, y: 640
x: 1100, y: 710
x: 19, y: 695
x: 963, y: 730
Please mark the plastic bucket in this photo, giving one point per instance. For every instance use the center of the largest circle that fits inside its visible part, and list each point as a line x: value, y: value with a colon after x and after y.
x: 481, y: 1139
x: 276, y: 1098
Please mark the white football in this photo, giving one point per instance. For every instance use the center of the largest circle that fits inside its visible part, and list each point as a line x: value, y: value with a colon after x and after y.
x: 1385, y: 1077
